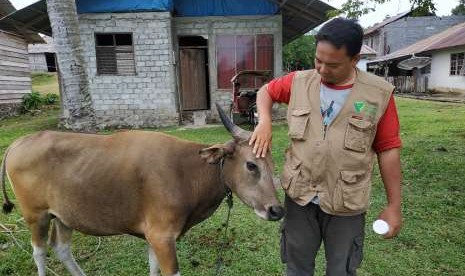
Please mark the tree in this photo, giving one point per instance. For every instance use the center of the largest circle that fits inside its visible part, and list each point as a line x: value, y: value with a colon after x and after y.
x: 300, y: 53
x: 460, y: 9
x: 356, y: 8
x: 78, y: 113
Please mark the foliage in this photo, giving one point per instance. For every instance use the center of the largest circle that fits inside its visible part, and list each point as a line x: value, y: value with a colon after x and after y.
x: 430, y: 243
x: 300, y: 53
x: 50, y: 98
x: 460, y: 9
x: 35, y: 100
x: 32, y: 101
x: 356, y: 8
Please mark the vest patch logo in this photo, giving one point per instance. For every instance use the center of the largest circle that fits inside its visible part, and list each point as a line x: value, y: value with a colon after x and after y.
x: 359, y: 106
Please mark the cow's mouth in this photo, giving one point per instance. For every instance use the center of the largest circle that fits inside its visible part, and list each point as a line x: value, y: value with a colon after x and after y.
x: 273, y: 213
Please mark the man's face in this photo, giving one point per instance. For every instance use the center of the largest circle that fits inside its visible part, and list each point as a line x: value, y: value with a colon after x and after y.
x: 334, y: 65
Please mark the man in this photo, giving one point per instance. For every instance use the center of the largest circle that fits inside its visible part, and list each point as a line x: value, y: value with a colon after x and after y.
x: 339, y: 118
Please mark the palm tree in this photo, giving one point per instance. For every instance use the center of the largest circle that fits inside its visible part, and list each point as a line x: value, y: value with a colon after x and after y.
x: 77, y: 110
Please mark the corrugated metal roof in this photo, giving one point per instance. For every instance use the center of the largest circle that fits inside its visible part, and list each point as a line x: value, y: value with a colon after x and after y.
x: 28, y: 22
x: 367, y: 50
x: 301, y: 16
x: 454, y: 36
x: 391, y: 19
x: 6, y: 8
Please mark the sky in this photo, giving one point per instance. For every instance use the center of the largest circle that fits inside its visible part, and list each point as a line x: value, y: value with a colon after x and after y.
x: 390, y: 8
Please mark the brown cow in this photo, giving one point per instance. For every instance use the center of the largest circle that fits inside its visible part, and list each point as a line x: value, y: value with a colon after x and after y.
x: 145, y: 184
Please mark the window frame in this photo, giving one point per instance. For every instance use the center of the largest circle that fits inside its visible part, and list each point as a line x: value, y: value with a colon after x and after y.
x: 235, y: 56
x: 454, y: 64
x: 98, y: 73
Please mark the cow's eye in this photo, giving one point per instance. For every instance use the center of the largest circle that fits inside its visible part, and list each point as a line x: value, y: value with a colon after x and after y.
x: 251, y: 166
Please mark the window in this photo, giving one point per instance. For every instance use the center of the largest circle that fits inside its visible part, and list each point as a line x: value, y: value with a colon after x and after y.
x: 115, y: 54
x: 457, y: 64
x: 243, y: 52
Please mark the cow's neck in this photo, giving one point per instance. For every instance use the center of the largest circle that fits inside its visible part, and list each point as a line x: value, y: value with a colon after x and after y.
x: 209, y: 188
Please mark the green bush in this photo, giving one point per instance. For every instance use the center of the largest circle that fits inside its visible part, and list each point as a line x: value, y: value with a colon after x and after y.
x: 51, y: 98
x: 32, y: 101
x: 35, y: 100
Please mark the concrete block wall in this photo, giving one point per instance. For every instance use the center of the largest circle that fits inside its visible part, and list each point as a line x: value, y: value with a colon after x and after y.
x: 209, y: 27
x: 408, y: 30
x: 148, y: 98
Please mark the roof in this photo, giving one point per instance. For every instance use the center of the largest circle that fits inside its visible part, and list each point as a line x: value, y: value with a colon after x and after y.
x: 46, y: 47
x: 452, y: 37
x: 389, y: 20
x: 6, y: 8
x: 299, y: 16
x: 367, y: 50
x: 28, y: 22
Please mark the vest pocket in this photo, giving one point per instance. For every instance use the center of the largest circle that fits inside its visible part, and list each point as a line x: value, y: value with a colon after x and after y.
x: 352, y: 191
x: 298, y: 123
x: 358, y: 135
x: 290, y: 173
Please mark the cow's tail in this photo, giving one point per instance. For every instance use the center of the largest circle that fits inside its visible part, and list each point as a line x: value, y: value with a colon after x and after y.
x: 7, y: 204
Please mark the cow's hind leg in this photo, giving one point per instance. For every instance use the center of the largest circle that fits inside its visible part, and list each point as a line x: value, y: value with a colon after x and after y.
x: 39, y: 225
x: 60, y: 241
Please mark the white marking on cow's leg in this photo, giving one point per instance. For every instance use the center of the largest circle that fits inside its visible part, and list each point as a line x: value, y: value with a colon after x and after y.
x: 177, y: 274
x: 153, y: 263
x: 60, y: 240
x: 39, y: 254
x: 63, y: 252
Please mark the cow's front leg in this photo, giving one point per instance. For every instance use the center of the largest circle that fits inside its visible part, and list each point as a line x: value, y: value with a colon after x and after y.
x: 164, y: 247
x: 153, y: 263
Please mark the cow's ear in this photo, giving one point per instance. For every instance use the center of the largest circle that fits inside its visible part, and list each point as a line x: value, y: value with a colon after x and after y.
x: 214, y: 153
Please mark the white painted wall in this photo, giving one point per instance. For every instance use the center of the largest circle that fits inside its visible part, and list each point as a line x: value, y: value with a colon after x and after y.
x: 362, y: 64
x: 440, y: 77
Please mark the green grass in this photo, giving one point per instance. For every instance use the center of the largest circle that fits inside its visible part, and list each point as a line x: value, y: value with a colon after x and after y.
x: 45, y: 83
x: 432, y: 241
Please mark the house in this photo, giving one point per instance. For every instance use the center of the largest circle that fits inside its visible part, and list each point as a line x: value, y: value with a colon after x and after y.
x: 158, y: 63
x: 366, y: 54
x: 445, y: 73
x: 15, y: 78
x: 42, y: 56
x: 402, y: 30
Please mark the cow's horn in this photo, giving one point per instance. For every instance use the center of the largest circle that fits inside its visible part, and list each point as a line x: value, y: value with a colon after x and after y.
x: 236, y: 132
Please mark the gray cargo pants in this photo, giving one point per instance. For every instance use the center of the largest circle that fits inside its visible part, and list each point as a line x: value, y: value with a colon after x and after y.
x: 304, y: 228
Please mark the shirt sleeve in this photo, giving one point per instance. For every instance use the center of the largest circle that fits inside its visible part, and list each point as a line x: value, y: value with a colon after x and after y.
x: 279, y: 89
x: 388, y: 130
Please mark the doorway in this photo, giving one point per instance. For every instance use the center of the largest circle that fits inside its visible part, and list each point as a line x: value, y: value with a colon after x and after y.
x: 194, y: 85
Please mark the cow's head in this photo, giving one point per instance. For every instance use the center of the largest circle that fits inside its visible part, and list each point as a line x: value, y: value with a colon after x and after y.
x: 250, y: 178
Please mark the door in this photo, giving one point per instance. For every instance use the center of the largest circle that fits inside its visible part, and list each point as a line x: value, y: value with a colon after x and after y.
x: 193, y: 76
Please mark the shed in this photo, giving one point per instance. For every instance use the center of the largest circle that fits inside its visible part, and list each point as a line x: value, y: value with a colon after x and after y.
x: 15, y: 78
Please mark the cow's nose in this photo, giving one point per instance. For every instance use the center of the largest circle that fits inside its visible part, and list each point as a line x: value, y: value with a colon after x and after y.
x: 275, y: 212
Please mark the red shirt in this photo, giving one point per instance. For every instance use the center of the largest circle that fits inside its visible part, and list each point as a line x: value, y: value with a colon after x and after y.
x: 387, y: 133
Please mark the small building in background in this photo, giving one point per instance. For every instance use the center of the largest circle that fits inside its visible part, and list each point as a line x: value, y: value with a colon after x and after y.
x: 42, y: 56
x: 445, y: 73
x: 366, y: 54
x: 15, y: 77
x: 159, y: 63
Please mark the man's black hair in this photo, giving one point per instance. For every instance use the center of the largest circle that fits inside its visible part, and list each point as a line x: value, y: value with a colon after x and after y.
x: 342, y: 32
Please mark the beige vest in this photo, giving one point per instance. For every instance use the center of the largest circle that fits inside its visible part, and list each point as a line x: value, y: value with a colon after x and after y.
x: 334, y: 164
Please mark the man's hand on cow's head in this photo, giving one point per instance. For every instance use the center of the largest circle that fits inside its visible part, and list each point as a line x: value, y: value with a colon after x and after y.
x: 261, y: 139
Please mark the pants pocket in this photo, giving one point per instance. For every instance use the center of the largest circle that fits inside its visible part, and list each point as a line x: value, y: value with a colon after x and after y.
x: 356, y: 256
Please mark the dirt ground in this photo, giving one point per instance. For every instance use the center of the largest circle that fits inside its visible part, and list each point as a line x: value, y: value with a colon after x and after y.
x: 453, y: 97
